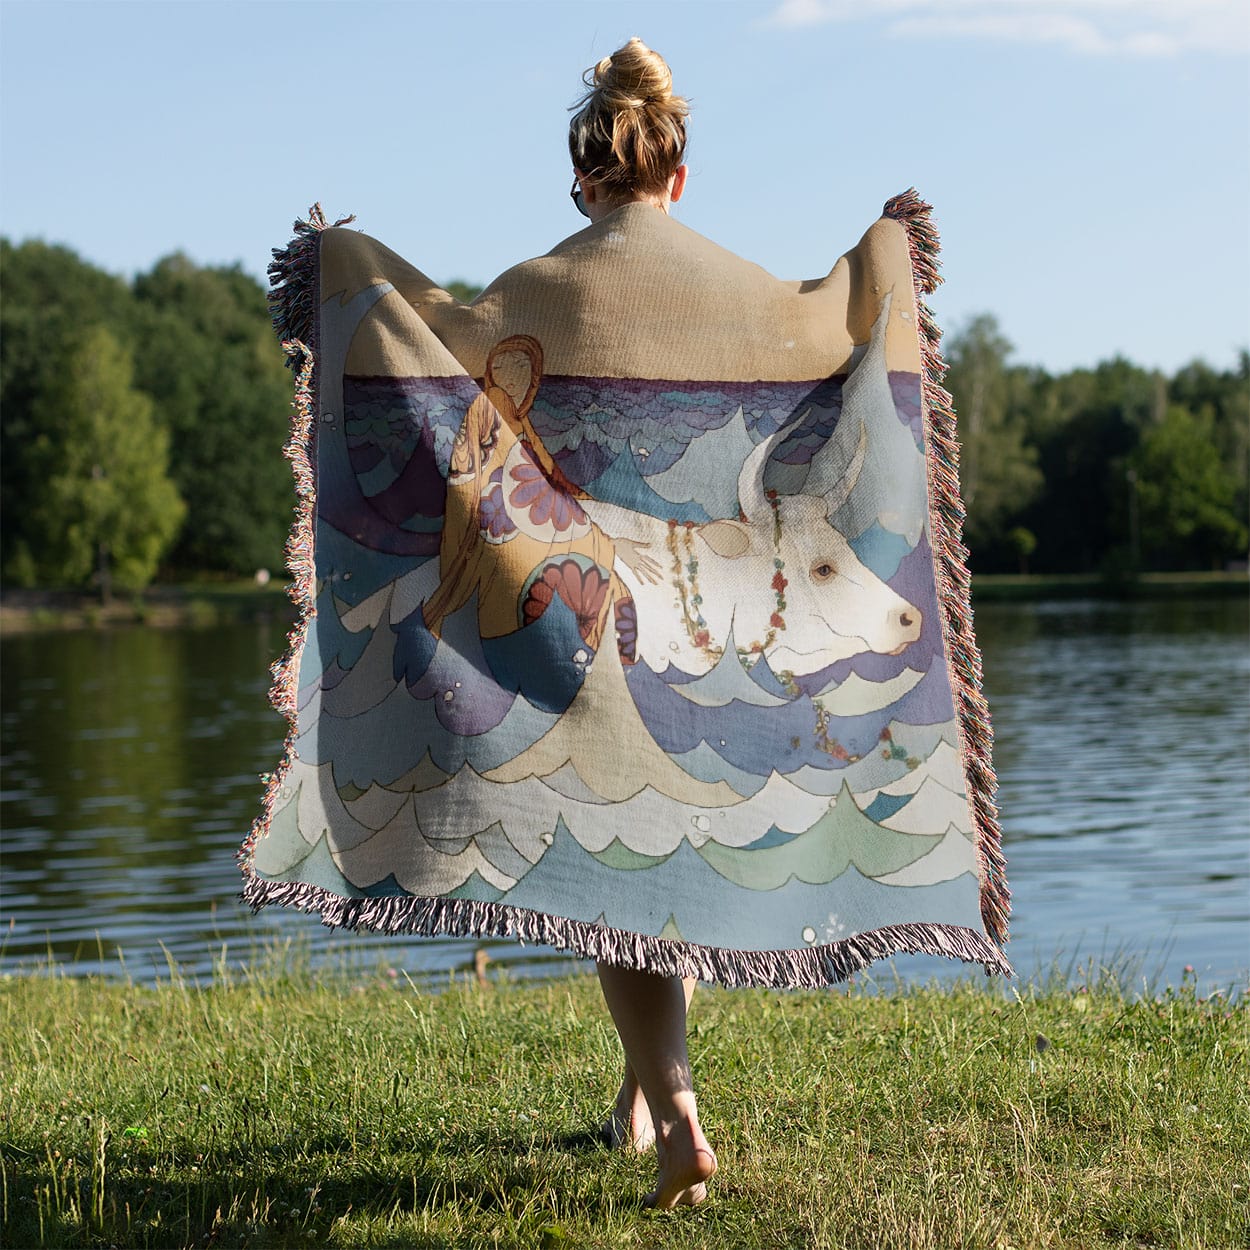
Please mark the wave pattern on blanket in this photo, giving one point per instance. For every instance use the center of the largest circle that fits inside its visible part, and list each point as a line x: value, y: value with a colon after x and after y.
x: 634, y: 623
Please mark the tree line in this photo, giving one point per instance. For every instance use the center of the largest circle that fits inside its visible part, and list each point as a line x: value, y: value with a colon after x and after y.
x: 1114, y: 470
x: 143, y: 422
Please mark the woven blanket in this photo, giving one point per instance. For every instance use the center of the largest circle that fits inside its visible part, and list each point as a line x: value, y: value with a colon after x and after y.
x: 635, y: 618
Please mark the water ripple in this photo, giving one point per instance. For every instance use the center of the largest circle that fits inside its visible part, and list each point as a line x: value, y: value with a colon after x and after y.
x: 130, y: 776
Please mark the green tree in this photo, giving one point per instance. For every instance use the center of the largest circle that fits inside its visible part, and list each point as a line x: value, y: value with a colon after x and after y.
x: 1186, y: 495
x: 51, y: 298
x: 1085, y: 424
x: 105, y: 505
x: 1222, y: 397
x: 207, y: 351
x: 465, y: 292
x: 997, y: 467
x: 1024, y: 543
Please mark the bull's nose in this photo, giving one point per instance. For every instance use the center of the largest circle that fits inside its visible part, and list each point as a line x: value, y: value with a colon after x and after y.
x: 909, y: 621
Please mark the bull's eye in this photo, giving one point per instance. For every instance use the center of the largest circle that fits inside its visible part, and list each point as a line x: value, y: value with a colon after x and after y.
x: 823, y: 571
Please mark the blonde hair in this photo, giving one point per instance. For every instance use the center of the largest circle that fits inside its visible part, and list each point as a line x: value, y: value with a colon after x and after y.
x: 629, y: 131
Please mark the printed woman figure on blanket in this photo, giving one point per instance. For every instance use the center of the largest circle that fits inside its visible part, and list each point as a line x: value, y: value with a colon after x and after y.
x: 508, y: 501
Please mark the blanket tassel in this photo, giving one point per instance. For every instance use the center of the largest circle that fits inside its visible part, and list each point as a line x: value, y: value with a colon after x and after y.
x: 810, y: 968
x: 954, y: 583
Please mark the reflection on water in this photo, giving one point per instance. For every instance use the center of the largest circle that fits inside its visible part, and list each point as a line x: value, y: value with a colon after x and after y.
x: 1122, y: 743
x: 131, y: 762
x: 131, y: 758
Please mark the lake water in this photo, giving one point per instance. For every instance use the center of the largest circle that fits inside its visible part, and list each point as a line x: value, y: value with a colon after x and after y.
x: 130, y: 762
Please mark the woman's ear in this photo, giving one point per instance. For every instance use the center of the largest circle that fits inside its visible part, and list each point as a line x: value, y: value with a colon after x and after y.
x: 678, y: 185
x: 588, y: 186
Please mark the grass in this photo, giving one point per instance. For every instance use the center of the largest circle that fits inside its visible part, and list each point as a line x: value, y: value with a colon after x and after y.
x: 293, y: 1109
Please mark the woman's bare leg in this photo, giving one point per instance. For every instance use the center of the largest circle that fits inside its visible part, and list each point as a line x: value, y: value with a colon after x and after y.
x: 629, y: 1125
x: 650, y: 1015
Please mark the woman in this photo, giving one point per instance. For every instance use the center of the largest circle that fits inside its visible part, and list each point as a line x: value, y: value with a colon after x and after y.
x: 636, y: 615
x: 628, y: 141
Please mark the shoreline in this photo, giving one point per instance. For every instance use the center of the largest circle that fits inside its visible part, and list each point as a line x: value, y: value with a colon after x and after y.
x: 203, y: 604
x: 172, y: 606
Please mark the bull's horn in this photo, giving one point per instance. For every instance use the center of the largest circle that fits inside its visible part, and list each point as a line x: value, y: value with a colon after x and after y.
x: 841, y: 490
x: 751, y: 498
x: 836, y: 467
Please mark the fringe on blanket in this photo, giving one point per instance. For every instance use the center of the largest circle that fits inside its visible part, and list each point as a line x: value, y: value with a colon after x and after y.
x: 954, y: 583
x: 810, y: 968
x: 294, y: 277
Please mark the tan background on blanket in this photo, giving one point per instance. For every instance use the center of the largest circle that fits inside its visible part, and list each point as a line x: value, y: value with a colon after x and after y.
x: 725, y: 318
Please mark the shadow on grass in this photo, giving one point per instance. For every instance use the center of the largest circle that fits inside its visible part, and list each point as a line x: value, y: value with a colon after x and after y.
x: 263, y: 1197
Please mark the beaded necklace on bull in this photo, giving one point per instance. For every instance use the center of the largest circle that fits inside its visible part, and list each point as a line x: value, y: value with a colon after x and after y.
x: 686, y: 583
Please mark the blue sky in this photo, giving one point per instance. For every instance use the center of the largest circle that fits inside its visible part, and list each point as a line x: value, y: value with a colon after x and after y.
x: 1089, y: 160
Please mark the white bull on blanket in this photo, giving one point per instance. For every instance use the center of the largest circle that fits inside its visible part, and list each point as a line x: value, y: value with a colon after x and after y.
x: 835, y: 606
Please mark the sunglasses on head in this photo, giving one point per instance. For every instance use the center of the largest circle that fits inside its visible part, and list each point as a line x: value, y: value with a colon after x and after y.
x: 576, y: 196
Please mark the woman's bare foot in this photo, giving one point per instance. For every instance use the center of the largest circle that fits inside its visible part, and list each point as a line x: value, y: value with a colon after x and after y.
x: 649, y: 1012
x: 629, y: 1125
x: 686, y: 1165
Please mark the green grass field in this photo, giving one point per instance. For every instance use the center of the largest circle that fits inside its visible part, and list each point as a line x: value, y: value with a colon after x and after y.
x: 287, y: 1109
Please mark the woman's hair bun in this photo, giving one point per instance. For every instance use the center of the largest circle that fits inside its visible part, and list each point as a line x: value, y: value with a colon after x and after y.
x: 632, y: 77
x: 629, y: 130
